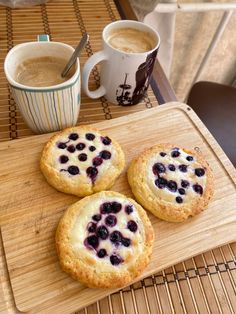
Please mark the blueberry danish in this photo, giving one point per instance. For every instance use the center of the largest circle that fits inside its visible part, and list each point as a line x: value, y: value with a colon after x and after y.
x: 173, y: 183
x: 81, y: 161
x: 104, y: 240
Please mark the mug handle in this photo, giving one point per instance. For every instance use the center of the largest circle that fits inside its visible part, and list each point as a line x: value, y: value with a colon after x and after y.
x: 43, y: 37
x: 90, y: 63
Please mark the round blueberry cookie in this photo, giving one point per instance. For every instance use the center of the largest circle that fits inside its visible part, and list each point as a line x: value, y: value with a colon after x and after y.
x: 173, y: 183
x: 81, y: 161
x: 104, y: 240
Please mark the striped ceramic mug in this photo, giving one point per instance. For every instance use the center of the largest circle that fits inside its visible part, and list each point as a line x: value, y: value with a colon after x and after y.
x: 44, y: 109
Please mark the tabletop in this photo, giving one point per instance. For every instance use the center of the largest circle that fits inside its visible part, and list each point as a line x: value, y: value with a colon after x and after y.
x: 203, y: 284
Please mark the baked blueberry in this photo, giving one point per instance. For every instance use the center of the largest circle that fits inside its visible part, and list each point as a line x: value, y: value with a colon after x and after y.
x: 102, y: 232
x: 105, y: 154
x: 179, y: 199
x: 111, y: 220
x: 172, y: 186
x: 80, y: 146
x: 175, y: 154
x: 198, y: 189
x: 106, y: 140
x: 181, y: 191
x: 92, y: 148
x: 63, y: 159
x: 90, y: 136
x: 171, y: 167
x: 184, y: 183
x: 158, y: 168
x: 61, y: 145
x: 73, y: 136
x: 74, y: 170
x: 132, y: 226
x: 161, y: 182
x: 183, y: 168
x: 129, y: 209
x: 92, y: 172
x: 106, y: 208
x: 162, y: 154
x: 116, y: 237
x: 92, y: 227
x: 115, y: 260
x: 116, y: 207
x: 82, y: 157
x: 92, y: 241
x: 126, y: 242
x: 97, y: 161
x: 189, y: 158
x: 199, y: 172
x: 71, y: 148
x: 102, y: 253
x: 97, y: 217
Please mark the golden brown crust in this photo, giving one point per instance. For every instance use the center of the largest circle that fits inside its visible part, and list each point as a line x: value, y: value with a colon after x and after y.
x: 162, y: 209
x: 85, y: 269
x: 82, y: 187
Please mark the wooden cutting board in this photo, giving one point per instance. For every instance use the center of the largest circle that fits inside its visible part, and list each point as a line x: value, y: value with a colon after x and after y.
x: 30, y: 209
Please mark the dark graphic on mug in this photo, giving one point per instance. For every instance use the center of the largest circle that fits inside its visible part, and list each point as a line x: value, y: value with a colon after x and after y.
x: 123, y: 96
x: 142, y: 77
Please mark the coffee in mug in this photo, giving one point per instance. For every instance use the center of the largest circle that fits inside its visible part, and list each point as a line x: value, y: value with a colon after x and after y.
x: 46, y: 103
x: 127, y: 60
x: 131, y: 40
x: 41, y: 72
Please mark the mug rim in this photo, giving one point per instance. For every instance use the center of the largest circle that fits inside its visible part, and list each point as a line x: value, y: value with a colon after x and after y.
x: 132, y: 22
x: 71, y: 81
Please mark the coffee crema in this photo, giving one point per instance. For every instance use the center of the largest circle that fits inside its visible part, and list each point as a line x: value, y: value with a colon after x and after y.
x: 42, y: 72
x: 131, y: 40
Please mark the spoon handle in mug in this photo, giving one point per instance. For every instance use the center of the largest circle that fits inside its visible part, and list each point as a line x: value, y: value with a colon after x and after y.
x: 75, y: 54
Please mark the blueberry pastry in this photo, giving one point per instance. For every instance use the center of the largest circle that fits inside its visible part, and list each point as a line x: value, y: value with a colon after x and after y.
x: 81, y: 161
x: 173, y: 183
x: 104, y: 240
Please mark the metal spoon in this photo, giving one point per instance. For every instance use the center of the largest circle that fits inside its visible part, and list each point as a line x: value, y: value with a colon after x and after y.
x: 75, y: 54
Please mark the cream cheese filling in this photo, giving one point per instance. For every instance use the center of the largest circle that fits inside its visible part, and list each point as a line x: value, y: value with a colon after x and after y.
x: 128, y: 254
x: 166, y: 194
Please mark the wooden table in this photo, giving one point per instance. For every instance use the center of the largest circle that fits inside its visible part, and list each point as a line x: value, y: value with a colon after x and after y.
x: 203, y: 284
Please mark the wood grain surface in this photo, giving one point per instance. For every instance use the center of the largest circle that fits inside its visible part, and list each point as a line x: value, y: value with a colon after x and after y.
x: 30, y: 209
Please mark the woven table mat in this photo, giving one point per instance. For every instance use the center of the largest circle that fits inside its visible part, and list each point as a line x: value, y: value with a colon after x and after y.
x: 204, y: 284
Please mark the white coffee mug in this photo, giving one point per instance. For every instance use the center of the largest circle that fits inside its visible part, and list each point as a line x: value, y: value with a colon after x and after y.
x: 125, y: 76
x: 44, y: 109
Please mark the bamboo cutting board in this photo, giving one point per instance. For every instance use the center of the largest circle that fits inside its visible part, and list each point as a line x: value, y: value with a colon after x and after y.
x: 30, y: 209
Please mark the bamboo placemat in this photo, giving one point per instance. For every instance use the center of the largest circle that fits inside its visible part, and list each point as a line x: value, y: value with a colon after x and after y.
x: 204, y: 284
